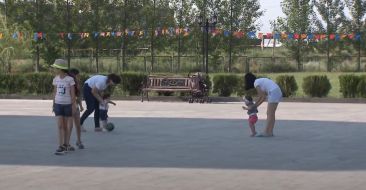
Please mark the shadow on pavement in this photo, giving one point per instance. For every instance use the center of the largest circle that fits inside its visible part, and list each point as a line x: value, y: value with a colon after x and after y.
x: 189, y: 143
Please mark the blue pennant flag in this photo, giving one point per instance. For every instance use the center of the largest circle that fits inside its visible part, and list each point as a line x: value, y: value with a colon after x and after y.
x: 358, y: 37
x: 96, y: 34
x: 277, y: 36
x: 69, y: 36
x: 15, y: 35
x: 226, y: 33
x: 251, y: 35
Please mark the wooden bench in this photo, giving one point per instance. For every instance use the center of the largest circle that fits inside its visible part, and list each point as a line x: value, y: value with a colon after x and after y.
x: 165, y: 84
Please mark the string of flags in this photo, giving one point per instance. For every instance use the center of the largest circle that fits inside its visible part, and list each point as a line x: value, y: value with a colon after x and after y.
x: 171, y: 32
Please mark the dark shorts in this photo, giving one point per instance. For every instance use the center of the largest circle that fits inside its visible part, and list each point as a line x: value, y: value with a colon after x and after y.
x: 64, y: 110
x: 103, y: 114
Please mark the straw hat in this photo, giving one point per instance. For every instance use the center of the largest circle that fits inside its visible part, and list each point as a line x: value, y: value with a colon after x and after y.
x: 60, y: 64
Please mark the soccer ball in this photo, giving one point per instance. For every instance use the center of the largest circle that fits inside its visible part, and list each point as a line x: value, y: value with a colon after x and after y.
x: 109, y: 126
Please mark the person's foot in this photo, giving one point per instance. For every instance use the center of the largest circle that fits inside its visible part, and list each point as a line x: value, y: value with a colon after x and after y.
x: 69, y: 148
x: 98, y: 129
x: 60, y: 151
x: 80, y: 145
x: 83, y: 129
x: 253, y: 134
x: 264, y: 135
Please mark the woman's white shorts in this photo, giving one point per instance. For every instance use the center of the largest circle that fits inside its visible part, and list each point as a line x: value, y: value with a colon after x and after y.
x: 274, y: 96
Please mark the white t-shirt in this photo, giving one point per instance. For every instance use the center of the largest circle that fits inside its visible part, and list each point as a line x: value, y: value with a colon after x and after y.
x: 266, y: 85
x: 104, y: 106
x: 97, y: 81
x: 63, y: 89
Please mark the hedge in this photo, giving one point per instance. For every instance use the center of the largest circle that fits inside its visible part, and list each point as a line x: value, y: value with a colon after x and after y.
x: 287, y: 84
x: 316, y: 86
x: 225, y: 84
x: 348, y: 85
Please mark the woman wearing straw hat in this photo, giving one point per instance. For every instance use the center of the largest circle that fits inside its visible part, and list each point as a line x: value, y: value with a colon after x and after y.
x: 64, y: 104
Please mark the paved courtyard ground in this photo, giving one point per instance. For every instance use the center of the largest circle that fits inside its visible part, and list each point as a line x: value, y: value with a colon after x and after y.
x: 181, y: 146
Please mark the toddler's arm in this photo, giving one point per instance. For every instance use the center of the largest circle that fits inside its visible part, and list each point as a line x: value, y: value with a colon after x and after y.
x: 112, y: 102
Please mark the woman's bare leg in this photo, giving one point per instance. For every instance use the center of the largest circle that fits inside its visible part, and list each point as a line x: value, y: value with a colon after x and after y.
x: 68, y: 129
x: 61, y: 130
x: 271, y: 117
x: 78, y: 127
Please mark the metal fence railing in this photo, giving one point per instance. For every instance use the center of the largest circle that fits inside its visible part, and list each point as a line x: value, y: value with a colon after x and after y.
x: 113, y: 61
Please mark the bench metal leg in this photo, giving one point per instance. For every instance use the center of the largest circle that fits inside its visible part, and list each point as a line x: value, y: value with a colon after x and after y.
x: 142, y: 96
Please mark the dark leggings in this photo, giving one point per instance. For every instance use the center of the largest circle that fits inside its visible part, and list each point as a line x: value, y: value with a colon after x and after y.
x: 92, y: 105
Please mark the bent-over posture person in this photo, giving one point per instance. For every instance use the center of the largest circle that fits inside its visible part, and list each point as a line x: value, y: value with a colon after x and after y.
x: 266, y: 88
x: 92, y: 94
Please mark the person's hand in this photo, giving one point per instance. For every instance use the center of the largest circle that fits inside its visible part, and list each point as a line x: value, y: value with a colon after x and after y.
x: 245, y: 108
x: 114, y: 104
x: 81, y: 108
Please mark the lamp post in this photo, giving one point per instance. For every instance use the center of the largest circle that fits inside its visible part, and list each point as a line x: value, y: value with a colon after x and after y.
x: 6, y: 12
x: 206, y: 24
x: 68, y: 4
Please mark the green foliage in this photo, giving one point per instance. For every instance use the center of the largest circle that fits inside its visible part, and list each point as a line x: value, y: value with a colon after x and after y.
x: 208, y: 82
x: 9, y: 46
x: 38, y: 83
x: 287, y: 84
x: 348, y: 85
x: 298, y: 18
x: 225, y: 84
x: 240, y: 88
x: 278, y: 68
x: 11, y: 83
x: 316, y: 85
x: 361, y: 87
x: 132, y: 82
x: 50, y: 53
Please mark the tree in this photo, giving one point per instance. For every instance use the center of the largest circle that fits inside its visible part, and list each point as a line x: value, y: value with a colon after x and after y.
x: 239, y: 15
x: 357, y: 22
x: 333, y: 20
x: 298, y: 20
x: 12, y: 43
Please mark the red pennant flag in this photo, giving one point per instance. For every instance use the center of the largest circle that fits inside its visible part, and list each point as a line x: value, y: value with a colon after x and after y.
x: 260, y: 35
x: 40, y: 35
x: 332, y: 36
x: 62, y: 35
x: 351, y: 36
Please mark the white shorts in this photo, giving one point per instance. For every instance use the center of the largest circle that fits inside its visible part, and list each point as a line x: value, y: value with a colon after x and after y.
x: 274, y: 96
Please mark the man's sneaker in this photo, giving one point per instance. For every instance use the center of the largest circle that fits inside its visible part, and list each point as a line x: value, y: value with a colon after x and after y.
x: 80, y: 145
x: 60, y: 151
x: 98, y: 129
x: 69, y: 148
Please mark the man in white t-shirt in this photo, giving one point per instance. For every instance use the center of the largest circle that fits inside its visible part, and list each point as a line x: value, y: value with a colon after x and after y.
x: 92, y: 94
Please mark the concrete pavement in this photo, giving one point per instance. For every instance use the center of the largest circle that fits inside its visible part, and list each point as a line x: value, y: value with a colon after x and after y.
x: 180, y: 146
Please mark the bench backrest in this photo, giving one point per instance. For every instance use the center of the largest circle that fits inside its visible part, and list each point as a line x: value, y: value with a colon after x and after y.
x: 168, y: 82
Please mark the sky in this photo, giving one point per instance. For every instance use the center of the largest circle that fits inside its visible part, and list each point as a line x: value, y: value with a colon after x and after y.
x: 272, y: 10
